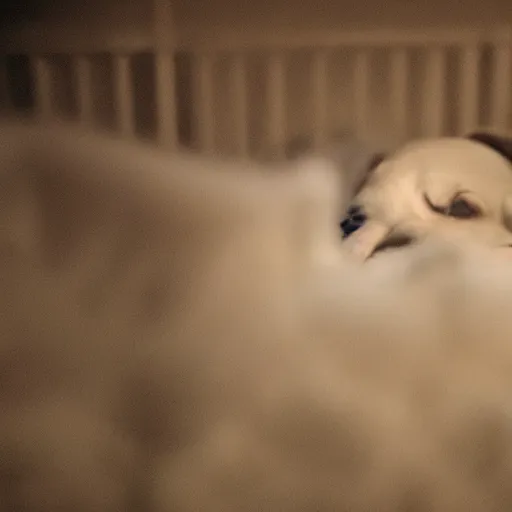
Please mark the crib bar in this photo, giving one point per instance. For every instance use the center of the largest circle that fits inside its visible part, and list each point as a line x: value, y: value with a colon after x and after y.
x: 83, y: 73
x: 165, y: 79
x: 43, y: 86
x: 286, y: 40
x: 434, y: 92
x: 242, y: 39
x: 238, y: 80
x: 124, y: 95
x: 320, y: 97
x: 362, y: 73
x: 276, y: 91
x: 5, y: 92
x: 399, y: 69
x: 468, y: 106
x: 501, y: 86
x: 204, y: 115
x: 165, y: 76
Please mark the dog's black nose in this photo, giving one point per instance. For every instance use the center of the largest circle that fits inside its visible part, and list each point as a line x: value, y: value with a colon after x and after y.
x: 354, y: 219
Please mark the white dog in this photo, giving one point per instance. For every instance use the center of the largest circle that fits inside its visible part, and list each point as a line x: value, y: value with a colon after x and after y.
x: 455, y: 188
x: 179, y: 334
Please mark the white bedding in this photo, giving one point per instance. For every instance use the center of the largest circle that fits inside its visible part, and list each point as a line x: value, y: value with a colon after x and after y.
x: 179, y: 334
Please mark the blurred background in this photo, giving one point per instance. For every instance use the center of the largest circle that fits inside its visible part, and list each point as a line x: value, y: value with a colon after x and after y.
x: 249, y: 77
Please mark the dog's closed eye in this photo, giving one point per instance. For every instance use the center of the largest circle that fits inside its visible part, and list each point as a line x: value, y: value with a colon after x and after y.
x: 463, y: 209
x: 459, y: 208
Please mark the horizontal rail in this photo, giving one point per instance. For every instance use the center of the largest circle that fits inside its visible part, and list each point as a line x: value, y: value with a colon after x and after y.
x: 45, y: 41
x: 342, y: 38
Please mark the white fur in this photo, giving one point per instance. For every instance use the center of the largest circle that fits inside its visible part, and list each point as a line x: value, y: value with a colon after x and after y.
x: 172, y: 340
x: 394, y: 198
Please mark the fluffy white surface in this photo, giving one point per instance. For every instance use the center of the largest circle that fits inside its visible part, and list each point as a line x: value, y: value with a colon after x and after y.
x: 184, y: 335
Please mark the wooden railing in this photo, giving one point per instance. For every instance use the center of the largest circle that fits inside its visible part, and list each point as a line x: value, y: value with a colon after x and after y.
x: 204, y: 50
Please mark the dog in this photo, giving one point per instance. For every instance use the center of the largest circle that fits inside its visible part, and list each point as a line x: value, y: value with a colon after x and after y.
x: 181, y: 333
x: 455, y: 188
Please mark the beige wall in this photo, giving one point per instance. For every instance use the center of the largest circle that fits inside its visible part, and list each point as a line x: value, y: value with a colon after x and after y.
x: 125, y: 16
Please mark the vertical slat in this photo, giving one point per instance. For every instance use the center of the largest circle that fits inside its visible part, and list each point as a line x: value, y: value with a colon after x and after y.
x: 43, y: 86
x: 468, y: 107
x: 320, y: 97
x: 165, y: 79
x: 165, y: 76
x: 501, y: 86
x: 434, y: 92
x: 276, y: 91
x: 84, y: 89
x: 5, y: 92
x: 399, y: 89
x: 362, y: 74
x: 204, y: 113
x: 238, y: 79
x: 124, y: 95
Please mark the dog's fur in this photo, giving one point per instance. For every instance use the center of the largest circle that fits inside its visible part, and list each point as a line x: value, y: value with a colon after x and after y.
x: 182, y: 334
x: 408, y: 196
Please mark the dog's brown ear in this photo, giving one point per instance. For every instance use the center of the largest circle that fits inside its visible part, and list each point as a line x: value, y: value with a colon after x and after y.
x: 500, y: 143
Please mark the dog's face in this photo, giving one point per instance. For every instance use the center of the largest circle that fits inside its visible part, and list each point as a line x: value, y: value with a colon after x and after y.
x: 455, y: 188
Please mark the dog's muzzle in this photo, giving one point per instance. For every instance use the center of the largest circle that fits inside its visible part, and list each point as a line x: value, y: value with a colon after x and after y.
x: 367, y: 237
